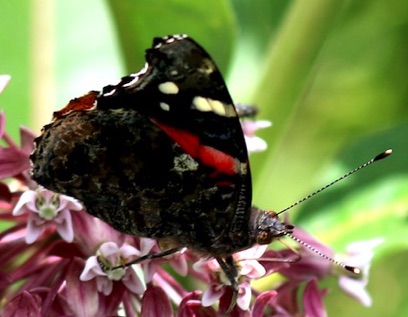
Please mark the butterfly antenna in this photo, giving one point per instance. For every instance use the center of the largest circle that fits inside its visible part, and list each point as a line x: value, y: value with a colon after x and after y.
x: 349, y: 268
x: 289, y: 234
x: 375, y: 159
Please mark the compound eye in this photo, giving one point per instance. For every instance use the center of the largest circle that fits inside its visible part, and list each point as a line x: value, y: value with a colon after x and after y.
x: 263, y: 237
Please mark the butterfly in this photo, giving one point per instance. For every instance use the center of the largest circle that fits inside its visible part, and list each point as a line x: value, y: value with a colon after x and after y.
x: 161, y: 155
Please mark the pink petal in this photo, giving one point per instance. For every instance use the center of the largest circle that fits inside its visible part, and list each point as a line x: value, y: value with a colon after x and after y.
x: 90, y: 232
x: 12, y: 162
x: 252, y: 269
x: 191, y: 306
x: 206, y: 266
x: 146, y: 245
x: 252, y: 253
x: 35, y: 226
x: 92, y: 269
x: 27, y: 198
x: 179, y: 264
x: 304, y: 236
x: 24, y: 304
x: 109, y: 250
x: 104, y: 285
x: 127, y: 251
x: 361, y: 253
x: 2, y: 119
x: 5, y: 196
x: 64, y: 225
x: 250, y: 127
x: 200, y: 266
x: 313, y: 300
x: 156, y: 303
x: 212, y: 294
x: 194, y: 309
x: 244, y: 296
x: 262, y: 302
x: 70, y: 203
x: 133, y: 282
x: 149, y: 270
x: 27, y: 140
x: 81, y: 296
x: 356, y: 289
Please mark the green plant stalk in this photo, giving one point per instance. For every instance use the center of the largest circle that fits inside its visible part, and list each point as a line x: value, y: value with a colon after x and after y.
x: 288, y: 68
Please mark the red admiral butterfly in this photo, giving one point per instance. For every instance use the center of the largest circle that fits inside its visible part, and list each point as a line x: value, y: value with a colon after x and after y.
x: 161, y: 155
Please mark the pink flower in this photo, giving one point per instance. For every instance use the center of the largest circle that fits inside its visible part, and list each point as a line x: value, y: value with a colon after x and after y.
x: 359, y: 254
x: 14, y: 160
x: 109, y: 255
x: 156, y: 303
x: 254, y: 143
x: 149, y: 246
x: 71, y: 274
x: 191, y: 306
x: 313, y: 300
x: 248, y: 268
x: 310, y: 265
x: 44, y: 207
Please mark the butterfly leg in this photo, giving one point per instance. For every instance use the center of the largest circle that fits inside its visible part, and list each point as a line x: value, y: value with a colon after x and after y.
x: 149, y: 257
x: 230, y: 269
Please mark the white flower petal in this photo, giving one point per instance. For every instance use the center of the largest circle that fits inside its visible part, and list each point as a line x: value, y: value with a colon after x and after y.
x: 35, y: 226
x: 4, y: 80
x: 64, y: 225
x: 108, y: 249
x: 255, y: 144
x: 359, y: 247
x: 133, y: 282
x: 128, y: 251
x: 25, y: 204
x: 244, y: 296
x: 92, y: 269
x: 69, y: 203
x: 104, y: 285
x: 212, y: 294
x: 356, y: 289
x: 146, y: 245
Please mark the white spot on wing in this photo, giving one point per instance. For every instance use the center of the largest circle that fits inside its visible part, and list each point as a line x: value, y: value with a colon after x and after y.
x: 215, y: 106
x: 164, y: 106
x: 168, y: 88
x: 143, y: 70
x: 110, y: 93
x: 132, y: 82
x: 201, y: 104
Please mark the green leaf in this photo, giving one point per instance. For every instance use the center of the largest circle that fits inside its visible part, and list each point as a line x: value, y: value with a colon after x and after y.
x: 14, y: 61
x: 371, y: 203
x: 257, y: 24
x: 211, y: 23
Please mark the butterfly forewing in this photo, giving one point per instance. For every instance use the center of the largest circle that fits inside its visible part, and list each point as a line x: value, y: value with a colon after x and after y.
x: 160, y: 155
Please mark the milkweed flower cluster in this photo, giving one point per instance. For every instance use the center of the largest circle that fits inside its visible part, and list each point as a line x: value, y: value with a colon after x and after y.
x: 57, y: 259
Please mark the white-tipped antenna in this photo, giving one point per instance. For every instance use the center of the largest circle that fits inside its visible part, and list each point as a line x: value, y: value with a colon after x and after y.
x: 351, y: 269
x: 375, y: 159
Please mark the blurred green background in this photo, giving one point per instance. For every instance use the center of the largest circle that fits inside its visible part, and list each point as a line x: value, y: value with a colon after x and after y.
x: 332, y: 76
